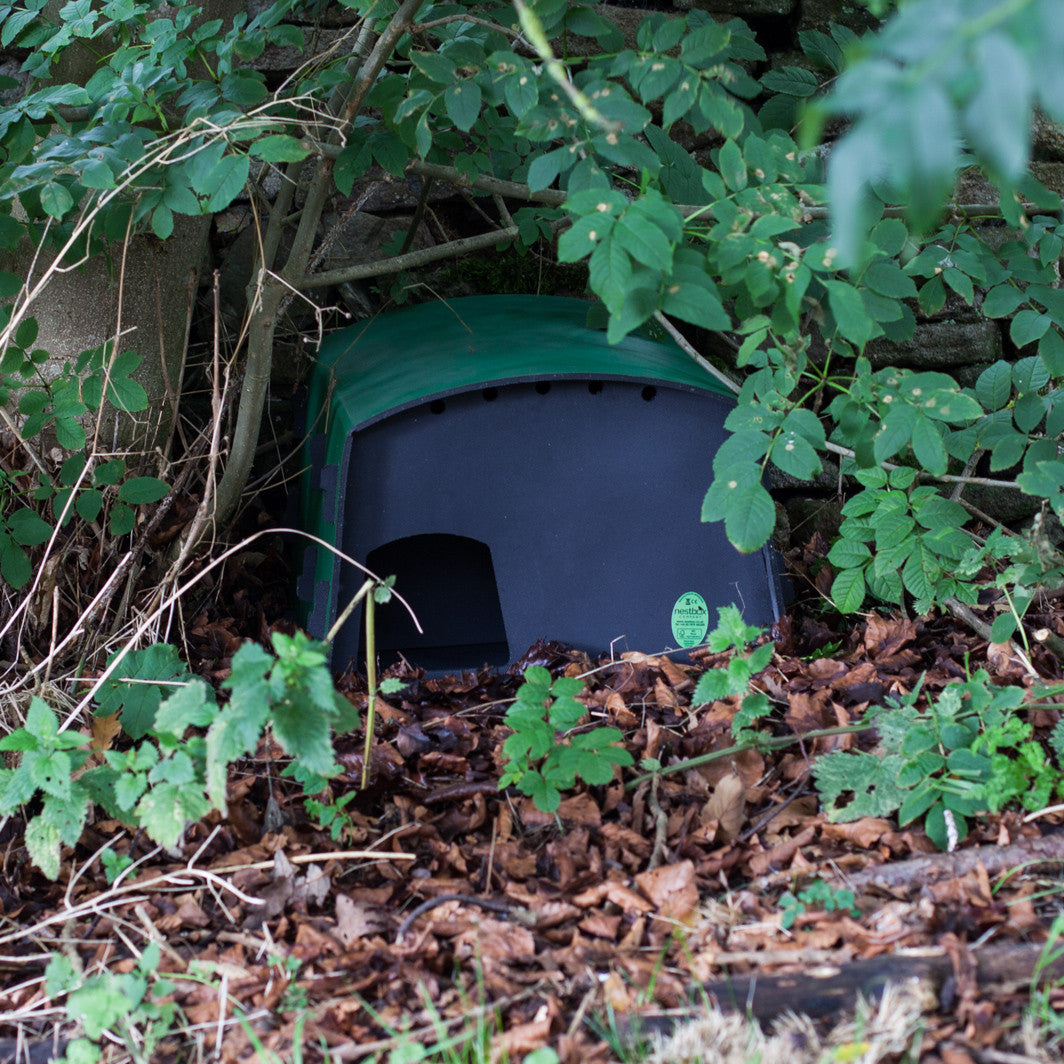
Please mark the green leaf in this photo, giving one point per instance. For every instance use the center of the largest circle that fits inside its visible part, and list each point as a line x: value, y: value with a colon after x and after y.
x: 1029, y: 326
x: 1051, y: 351
x: 227, y: 182
x: 279, y: 148
x: 435, y: 67
x: 848, y: 590
x: 792, y: 81
x: 462, y: 101
x: 28, y: 528
x: 696, y: 301
x: 644, y: 241
x: 849, y: 554
x: 122, y: 521
x: 610, y: 274
x: 14, y: 563
x: 136, y: 687
x: 928, y: 447
x: 732, y: 166
x: 894, y: 432
x: 994, y: 386
x: 793, y: 454
x: 55, y: 199
x: 1003, y: 300
x: 746, y: 508
x: 887, y: 279
x: 140, y: 490
x: 851, y: 318
x: 871, y: 779
x: 42, y: 842
x: 245, y: 88
x: 190, y: 706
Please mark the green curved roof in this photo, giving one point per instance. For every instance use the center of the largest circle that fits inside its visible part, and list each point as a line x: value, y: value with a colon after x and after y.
x: 408, y: 357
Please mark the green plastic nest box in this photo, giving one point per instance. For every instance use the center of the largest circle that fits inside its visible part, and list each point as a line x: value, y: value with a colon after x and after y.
x: 523, y: 480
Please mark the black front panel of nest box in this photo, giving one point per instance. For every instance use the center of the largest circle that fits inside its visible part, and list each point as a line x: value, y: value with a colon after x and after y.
x: 566, y: 510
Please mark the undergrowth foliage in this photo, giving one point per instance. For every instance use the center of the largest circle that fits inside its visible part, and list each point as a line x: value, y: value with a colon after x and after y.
x: 182, y: 742
x: 796, y: 267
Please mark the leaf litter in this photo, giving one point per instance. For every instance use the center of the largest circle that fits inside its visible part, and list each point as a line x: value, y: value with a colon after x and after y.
x: 643, y: 909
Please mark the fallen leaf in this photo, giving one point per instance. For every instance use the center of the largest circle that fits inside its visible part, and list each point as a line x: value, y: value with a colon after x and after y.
x: 672, y: 889
x: 727, y: 807
x: 355, y: 920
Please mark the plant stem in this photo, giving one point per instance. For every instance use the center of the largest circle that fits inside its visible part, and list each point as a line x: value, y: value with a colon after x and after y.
x: 778, y: 742
x: 371, y: 684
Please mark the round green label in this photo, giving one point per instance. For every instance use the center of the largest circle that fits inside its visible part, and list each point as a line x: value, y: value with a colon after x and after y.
x: 690, y: 619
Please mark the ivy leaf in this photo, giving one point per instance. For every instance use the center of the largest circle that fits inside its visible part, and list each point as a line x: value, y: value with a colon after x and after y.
x: 136, y: 687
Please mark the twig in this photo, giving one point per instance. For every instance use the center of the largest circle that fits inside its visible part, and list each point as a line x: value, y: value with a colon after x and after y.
x: 1051, y: 641
x: 978, y: 625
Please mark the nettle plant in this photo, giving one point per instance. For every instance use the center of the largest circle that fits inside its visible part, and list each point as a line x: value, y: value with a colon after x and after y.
x: 548, y: 749
x: 965, y: 752
x: 178, y: 743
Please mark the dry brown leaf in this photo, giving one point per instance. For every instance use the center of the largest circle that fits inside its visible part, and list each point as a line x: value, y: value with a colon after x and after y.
x: 355, y: 920
x: 727, y: 807
x: 104, y: 730
x: 616, y: 993
x: 865, y: 832
x: 672, y: 889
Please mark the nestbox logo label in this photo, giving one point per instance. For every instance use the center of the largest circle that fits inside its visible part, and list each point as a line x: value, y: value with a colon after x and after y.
x: 690, y: 619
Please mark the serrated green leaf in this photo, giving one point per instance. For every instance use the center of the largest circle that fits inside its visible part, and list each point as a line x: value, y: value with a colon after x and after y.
x: 279, y: 148
x: 792, y: 81
x: 994, y: 385
x: 794, y: 455
x: 895, y: 431
x: 1029, y: 326
x: 746, y: 508
x: 888, y: 280
x: 872, y: 779
x: 849, y: 312
x: 732, y: 166
x: 928, y: 447
x: 848, y: 590
x: 462, y: 102
x: 140, y: 490
x: 1003, y: 300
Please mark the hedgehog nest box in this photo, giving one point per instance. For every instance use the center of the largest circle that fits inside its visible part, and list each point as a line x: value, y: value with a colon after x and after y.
x: 523, y: 480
